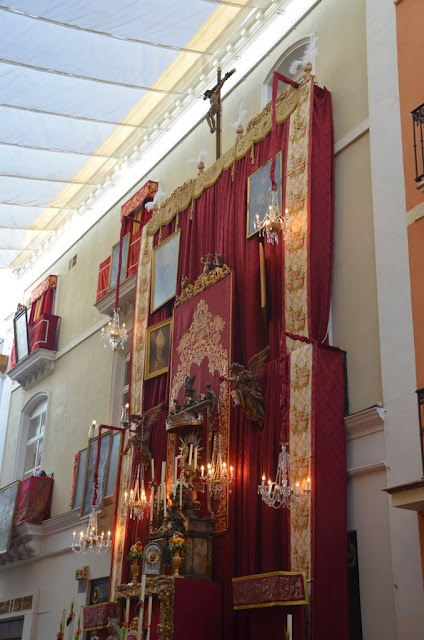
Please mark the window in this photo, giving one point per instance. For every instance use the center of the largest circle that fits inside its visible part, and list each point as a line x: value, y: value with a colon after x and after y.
x: 295, y: 52
x: 34, y: 448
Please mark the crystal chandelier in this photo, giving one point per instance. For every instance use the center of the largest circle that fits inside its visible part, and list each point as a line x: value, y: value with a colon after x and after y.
x: 136, y: 501
x: 279, y: 493
x: 91, y: 540
x: 217, y: 476
x: 273, y: 221
x: 114, y: 334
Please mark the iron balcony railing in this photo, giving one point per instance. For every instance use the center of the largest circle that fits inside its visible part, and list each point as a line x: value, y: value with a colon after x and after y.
x: 418, y: 134
x: 420, y: 398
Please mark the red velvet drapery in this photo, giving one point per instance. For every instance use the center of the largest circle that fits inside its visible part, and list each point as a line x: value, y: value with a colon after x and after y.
x: 257, y: 539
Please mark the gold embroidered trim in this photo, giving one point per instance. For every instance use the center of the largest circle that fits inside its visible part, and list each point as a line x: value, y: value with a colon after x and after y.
x: 257, y: 130
x: 204, y: 281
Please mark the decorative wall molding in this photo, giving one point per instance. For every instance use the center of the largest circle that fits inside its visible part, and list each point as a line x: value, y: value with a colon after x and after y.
x: 33, y: 368
x: 416, y: 213
x: 365, y: 422
x: 367, y: 468
x: 353, y: 135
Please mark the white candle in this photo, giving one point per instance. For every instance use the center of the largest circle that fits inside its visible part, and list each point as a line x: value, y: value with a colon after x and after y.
x: 158, y: 506
x: 149, y: 617
x: 141, y: 612
x: 153, y: 469
x: 263, y: 481
x: 290, y: 626
x: 308, y: 488
x: 195, y: 458
x: 190, y: 455
x: 175, y: 471
x: 152, y: 503
x: 164, y: 499
x: 127, y: 611
x: 162, y: 478
x: 202, y: 471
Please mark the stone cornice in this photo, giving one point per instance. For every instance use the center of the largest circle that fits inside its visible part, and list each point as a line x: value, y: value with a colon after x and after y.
x: 364, y: 422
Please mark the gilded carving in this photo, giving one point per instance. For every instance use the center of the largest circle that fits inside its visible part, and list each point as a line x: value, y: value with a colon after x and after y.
x: 204, y: 281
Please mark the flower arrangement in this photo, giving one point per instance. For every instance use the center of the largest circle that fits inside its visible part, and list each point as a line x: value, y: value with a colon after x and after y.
x: 136, y: 551
x: 177, y: 543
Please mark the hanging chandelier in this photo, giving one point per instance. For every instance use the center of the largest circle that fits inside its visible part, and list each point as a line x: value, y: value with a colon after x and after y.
x: 114, y: 335
x: 136, y: 501
x: 273, y: 221
x: 91, y: 540
x: 279, y: 493
x: 217, y: 477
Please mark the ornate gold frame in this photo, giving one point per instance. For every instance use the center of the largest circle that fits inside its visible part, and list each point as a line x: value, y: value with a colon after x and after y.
x: 152, y: 374
x: 250, y: 178
x: 152, y: 289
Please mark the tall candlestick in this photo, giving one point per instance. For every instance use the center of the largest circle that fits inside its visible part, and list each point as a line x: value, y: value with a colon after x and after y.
x: 289, y: 626
x: 141, y: 612
x: 162, y: 477
x: 153, y: 469
x: 164, y: 499
x: 190, y: 455
x: 149, y: 617
x: 195, y: 459
x: 152, y: 502
x: 181, y: 490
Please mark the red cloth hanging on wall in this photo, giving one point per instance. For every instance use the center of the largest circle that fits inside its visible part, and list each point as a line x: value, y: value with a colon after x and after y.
x: 42, y: 298
x: 257, y: 539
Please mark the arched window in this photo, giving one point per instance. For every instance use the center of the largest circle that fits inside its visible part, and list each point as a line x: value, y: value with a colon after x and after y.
x: 293, y: 53
x: 34, y: 449
x: 34, y: 418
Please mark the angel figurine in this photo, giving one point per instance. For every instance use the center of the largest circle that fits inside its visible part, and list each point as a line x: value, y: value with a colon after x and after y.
x: 246, y: 392
x: 139, y: 437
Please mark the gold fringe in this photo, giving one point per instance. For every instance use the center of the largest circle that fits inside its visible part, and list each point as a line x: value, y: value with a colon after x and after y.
x: 257, y: 130
x: 252, y: 154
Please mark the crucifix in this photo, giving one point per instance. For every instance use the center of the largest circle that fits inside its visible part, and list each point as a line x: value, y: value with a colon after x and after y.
x: 213, y: 116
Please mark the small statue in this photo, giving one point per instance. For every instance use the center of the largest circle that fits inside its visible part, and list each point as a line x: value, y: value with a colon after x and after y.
x: 218, y: 261
x: 210, y: 393
x: 245, y: 390
x: 189, y: 392
x: 176, y: 407
x: 114, y: 629
x: 19, y: 308
x: 185, y: 282
x: 140, y: 439
x: 207, y: 263
x: 213, y: 95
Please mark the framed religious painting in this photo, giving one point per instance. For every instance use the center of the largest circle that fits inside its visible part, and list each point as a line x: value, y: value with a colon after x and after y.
x: 158, y: 348
x: 88, y: 491
x: 114, y: 261
x: 79, y: 479
x: 20, y: 328
x: 164, y: 271
x: 8, y: 501
x: 258, y: 193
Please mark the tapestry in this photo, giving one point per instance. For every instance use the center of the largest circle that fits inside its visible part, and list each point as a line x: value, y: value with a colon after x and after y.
x: 202, y: 348
x: 269, y: 590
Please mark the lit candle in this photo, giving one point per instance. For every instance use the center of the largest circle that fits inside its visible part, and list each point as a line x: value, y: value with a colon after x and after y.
x: 195, y: 458
x: 108, y: 536
x: 149, y: 617
x: 263, y: 480
x: 231, y: 472
x: 162, y: 477
x: 152, y: 502
x: 202, y: 471
x: 74, y: 535
x: 190, y: 455
x: 164, y: 499
x: 297, y: 489
x: 290, y: 626
x: 153, y: 469
x: 308, y: 487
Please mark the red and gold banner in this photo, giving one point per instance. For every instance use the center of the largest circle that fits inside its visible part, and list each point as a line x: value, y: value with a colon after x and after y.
x: 148, y: 190
x: 96, y: 616
x: 201, y: 347
x: 48, y: 283
x: 34, y: 500
x: 279, y: 588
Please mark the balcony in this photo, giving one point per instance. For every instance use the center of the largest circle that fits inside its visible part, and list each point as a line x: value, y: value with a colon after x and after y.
x: 43, y: 335
x: 418, y: 137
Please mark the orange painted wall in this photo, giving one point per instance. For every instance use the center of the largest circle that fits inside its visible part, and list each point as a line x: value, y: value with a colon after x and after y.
x: 410, y: 43
x: 416, y: 267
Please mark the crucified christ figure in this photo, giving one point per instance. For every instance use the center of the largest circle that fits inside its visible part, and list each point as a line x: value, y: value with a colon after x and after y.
x: 213, y: 95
